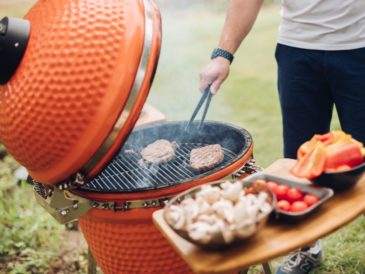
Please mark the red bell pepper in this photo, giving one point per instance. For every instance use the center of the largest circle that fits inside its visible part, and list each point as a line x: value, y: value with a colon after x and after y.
x: 334, y: 151
x: 340, y: 135
x: 326, y: 139
x: 312, y: 164
x: 338, y: 169
x: 306, y: 147
x: 343, y: 154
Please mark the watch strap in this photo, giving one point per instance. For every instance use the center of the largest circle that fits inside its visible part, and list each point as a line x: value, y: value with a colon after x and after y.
x: 222, y: 53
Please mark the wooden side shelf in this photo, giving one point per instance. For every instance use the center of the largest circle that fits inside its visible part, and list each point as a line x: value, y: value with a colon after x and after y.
x: 150, y: 115
x: 276, y: 238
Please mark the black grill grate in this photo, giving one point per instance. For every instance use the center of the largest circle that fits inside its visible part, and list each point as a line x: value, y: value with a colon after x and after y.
x: 125, y: 174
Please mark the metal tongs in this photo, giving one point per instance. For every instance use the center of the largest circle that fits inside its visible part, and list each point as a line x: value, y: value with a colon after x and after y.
x: 206, y: 97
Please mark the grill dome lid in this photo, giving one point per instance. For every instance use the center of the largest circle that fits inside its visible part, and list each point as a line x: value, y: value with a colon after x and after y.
x: 78, y: 83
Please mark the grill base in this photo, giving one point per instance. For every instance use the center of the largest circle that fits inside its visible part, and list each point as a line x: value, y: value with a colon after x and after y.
x: 131, y: 247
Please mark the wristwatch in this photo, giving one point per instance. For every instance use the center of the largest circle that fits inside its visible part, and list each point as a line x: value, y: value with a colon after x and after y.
x: 222, y: 53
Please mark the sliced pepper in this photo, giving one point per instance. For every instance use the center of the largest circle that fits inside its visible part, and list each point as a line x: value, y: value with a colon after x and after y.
x: 338, y: 143
x: 338, y: 135
x: 325, y: 138
x: 312, y: 164
x: 306, y: 147
x: 340, y: 154
x: 359, y: 144
x: 338, y: 169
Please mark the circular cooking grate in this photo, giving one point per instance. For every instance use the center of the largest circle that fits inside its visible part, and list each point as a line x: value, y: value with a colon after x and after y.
x: 125, y: 174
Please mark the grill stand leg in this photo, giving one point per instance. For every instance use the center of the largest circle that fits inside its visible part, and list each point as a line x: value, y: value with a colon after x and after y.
x: 91, y: 263
x: 266, y: 266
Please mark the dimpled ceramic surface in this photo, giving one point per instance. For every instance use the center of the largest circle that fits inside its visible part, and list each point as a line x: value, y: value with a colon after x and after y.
x: 72, y: 83
x: 131, y: 246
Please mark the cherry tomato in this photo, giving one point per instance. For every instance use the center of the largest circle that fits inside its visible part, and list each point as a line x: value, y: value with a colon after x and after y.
x: 310, y: 199
x: 298, y: 206
x: 294, y: 194
x: 281, y: 191
x: 283, y: 205
x: 272, y: 185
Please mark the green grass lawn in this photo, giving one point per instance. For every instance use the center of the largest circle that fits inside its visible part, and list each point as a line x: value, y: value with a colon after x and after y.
x: 248, y: 98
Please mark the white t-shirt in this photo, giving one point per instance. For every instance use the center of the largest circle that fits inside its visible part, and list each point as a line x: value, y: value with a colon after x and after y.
x: 323, y: 24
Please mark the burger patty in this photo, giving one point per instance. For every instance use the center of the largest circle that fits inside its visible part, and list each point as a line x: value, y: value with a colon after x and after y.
x: 160, y: 151
x: 207, y: 157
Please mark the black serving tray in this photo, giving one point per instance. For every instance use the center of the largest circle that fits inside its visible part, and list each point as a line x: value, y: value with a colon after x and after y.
x: 323, y: 193
x: 341, y: 180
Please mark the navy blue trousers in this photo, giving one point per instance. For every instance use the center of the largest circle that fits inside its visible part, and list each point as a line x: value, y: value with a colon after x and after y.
x: 310, y: 84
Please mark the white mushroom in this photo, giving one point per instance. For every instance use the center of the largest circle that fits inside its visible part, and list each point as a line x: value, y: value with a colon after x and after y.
x: 252, y: 212
x: 228, y: 235
x: 240, y: 212
x: 224, y: 210
x: 209, y: 219
x: 262, y: 198
x: 187, y: 202
x: 191, y: 209
x: 250, y: 199
x: 246, y: 230
x: 209, y: 193
x: 176, y: 217
x: 200, y: 231
x: 220, y: 212
x: 204, y: 206
x: 265, y: 209
x: 231, y: 191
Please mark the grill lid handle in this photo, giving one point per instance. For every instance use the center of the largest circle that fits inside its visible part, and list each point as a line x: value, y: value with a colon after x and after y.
x: 14, y: 36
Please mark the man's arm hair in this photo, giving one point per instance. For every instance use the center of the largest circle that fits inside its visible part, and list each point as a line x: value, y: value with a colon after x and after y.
x: 240, y: 18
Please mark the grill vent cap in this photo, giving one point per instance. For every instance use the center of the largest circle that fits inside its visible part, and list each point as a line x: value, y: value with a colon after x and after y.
x: 14, y: 36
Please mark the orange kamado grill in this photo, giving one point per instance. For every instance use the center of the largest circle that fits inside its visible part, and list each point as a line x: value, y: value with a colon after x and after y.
x: 73, y: 82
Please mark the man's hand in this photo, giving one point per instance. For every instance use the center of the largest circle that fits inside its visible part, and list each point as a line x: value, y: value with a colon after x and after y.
x: 214, y: 74
x: 240, y: 17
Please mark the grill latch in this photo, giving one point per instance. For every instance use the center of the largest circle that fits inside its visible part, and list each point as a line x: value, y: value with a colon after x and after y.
x: 249, y: 168
x: 64, y: 206
x: 67, y: 207
x: 127, y: 205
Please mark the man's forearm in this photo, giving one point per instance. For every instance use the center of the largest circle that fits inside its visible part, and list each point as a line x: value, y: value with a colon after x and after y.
x: 239, y: 21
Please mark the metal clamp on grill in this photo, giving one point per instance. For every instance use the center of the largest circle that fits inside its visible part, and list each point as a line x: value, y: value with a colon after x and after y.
x: 67, y: 207
x: 131, y: 204
x: 64, y: 206
x: 249, y: 168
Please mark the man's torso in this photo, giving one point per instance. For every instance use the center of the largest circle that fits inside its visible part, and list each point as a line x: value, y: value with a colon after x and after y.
x: 323, y: 24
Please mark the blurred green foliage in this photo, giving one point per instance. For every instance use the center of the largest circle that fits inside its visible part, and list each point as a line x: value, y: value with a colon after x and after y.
x: 29, y: 236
